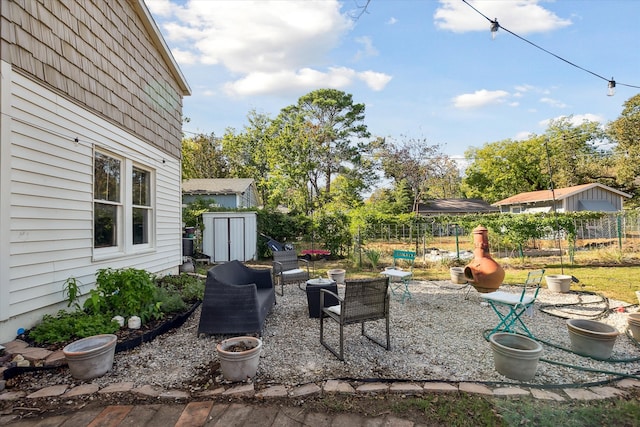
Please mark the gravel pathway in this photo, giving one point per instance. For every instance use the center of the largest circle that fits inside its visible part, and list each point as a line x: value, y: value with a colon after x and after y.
x: 437, y: 335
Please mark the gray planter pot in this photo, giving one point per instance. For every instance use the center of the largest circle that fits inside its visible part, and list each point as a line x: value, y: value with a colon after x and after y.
x: 560, y: 283
x: 592, y: 338
x: 337, y: 275
x: 239, y: 365
x: 515, y: 356
x: 633, y: 323
x: 91, y: 357
x: 457, y: 275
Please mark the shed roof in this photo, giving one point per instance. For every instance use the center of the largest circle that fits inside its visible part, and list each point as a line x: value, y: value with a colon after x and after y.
x: 455, y: 206
x: 558, y: 194
x: 216, y: 185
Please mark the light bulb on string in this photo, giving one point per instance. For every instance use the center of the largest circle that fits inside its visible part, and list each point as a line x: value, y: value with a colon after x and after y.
x: 611, y: 87
x: 494, y: 28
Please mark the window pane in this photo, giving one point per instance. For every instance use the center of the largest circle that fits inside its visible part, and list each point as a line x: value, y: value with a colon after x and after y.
x: 140, y: 226
x: 106, y: 184
x: 105, y: 225
x: 140, y: 187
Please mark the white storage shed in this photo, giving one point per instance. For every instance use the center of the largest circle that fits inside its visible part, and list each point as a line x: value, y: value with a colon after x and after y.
x: 230, y: 235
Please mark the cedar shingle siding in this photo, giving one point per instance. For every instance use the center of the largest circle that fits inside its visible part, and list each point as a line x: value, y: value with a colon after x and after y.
x: 81, y: 50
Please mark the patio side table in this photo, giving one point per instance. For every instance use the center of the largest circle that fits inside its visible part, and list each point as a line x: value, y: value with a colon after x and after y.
x: 313, y: 295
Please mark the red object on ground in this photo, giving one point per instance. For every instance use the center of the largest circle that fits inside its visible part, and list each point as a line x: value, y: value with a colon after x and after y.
x: 315, y: 252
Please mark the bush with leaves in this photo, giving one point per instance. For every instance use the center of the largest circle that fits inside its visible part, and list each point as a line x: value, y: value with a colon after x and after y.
x: 70, y: 326
x: 125, y: 292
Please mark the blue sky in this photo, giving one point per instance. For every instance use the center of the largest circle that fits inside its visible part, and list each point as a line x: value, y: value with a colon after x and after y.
x: 424, y: 69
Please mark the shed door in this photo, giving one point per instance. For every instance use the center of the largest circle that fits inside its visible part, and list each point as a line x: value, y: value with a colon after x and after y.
x: 228, y: 239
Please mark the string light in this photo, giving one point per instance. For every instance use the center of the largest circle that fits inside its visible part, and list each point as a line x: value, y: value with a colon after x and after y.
x: 494, y: 28
x: 611, y: 84
x: 612, y: 87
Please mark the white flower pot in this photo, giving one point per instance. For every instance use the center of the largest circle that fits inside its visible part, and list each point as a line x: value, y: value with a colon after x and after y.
x: 592, y: 338
x: 239, y: 357
x: 515, y: 356
x: 457, y: 275
x: 560, y: 283
x: 337, y: 275
x: 91, y: 357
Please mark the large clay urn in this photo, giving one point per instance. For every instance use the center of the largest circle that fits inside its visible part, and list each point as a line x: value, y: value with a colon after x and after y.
x: 483, y: 273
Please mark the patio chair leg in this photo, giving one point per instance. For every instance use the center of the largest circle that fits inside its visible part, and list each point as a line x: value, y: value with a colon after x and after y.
x: 339, y: 355
x: 386, y: 346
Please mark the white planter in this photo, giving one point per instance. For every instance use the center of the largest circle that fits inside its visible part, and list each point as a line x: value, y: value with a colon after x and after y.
x: 560, y: 283
x: 515, y: 356
x: 91, y: 357
x: 238, y: 364
x: 592, y: 338
x: 457, y: 275
x: 633, y: 323
x: 337, y: 275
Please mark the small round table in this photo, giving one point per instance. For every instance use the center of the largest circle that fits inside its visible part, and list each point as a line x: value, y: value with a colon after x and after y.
x: 313, y: 295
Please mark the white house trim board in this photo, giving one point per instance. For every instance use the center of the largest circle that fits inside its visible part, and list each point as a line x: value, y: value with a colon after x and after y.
x: 46, y: 200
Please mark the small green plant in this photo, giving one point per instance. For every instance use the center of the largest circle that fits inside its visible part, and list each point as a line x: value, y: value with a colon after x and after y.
x: 190, y: 287
x: 127, y: 292
x: 67, y: 326
x: 373, y: 256
x: 71, y: 290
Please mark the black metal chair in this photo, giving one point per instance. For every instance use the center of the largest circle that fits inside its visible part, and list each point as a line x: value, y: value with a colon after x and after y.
x: 364, y: 300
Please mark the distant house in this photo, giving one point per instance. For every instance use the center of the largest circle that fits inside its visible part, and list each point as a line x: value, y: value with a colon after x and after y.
x: 90, y: 147
x: 455, y: 207
x: 231, y: 193
x: 586, y: 197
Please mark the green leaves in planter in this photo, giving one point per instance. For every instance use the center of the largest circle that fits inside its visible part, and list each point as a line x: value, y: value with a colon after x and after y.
x: 66, y: 326
x: 125, y: 292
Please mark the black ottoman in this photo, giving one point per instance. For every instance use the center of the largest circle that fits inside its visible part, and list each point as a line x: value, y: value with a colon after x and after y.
x: 313, y: 295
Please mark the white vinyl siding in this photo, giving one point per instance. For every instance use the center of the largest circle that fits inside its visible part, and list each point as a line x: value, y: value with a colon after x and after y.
x: 47, y: 197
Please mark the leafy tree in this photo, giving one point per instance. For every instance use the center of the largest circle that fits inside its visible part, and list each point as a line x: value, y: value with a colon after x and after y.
x: 320, y: 137
x: 625, y: 130
x: 202, y: 157
x: 576, y: 154
x: 415, y: 165
x: 569, y: 154
x: 246, y: 152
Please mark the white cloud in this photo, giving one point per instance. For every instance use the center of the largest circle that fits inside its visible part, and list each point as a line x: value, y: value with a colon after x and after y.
x: 521, y: 17
x: 521, y: 136
x: 375, y: 81
x: 267, y: 46
x: 480, y: 98
x: 553, y: 102
x: 367, y: 50
x: 392, y: 21
x: 576, y: 119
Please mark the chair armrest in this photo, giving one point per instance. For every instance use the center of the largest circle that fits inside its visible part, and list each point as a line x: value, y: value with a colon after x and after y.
x: 261, y: 277
x: 277, y: 267
x: 305, y: 261
x: 327, y: 291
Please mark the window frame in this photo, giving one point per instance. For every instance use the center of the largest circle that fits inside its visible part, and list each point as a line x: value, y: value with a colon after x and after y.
x: 124, y: 228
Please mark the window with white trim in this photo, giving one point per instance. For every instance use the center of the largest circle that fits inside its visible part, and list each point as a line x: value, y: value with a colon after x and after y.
x: 122, y: 205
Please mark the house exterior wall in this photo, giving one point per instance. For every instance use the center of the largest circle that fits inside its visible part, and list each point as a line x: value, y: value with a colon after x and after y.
x: 85, y: 51
x: 596, y: 193
x: 47, y: 201
x: 76, y: 77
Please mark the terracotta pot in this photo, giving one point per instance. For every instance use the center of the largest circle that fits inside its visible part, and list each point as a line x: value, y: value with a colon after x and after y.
x: 592, y: 338
x: 483, y: 273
